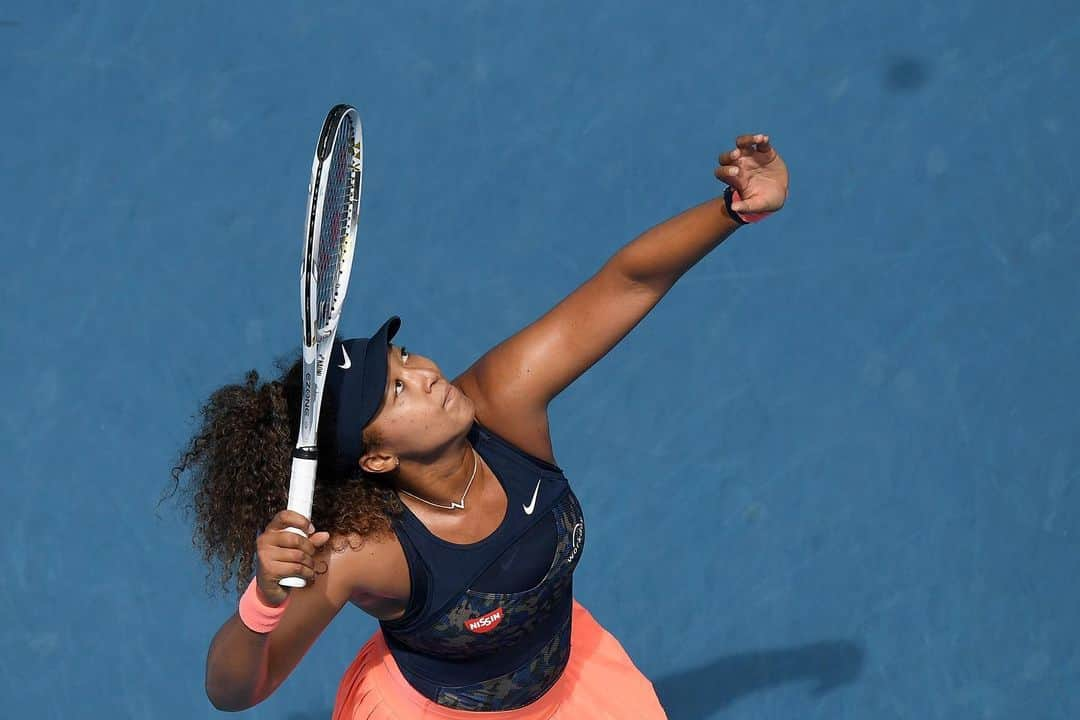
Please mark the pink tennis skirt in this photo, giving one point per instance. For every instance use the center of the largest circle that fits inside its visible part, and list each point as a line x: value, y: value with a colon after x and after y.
x: 600, y: 682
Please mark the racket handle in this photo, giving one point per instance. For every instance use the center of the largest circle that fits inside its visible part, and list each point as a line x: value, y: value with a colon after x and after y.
x: 301, y: 492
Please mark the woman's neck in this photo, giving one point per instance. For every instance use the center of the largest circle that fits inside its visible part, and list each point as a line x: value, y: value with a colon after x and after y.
x: 444, y: 481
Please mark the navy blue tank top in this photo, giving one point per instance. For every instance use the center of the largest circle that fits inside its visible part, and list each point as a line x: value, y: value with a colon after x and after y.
x: 487, y: 625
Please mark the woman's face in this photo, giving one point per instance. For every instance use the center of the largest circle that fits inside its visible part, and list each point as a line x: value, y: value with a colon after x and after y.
x: 422, y: 413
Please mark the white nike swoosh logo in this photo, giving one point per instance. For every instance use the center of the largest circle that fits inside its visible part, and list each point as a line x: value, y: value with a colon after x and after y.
x: 532, y: 506
x: 348, y: 362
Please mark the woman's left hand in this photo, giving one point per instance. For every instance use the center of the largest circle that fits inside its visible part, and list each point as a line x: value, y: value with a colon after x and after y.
x: 757, y: 172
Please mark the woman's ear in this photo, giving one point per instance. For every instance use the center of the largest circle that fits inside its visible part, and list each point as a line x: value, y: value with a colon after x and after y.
x: 378, y: 462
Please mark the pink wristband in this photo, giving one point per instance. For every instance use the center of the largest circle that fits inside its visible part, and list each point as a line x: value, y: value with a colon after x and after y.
x: 748, y: 217
x: 258, y: 616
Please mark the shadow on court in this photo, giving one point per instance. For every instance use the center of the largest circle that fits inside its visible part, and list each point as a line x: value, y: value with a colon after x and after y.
x: 697, y: 693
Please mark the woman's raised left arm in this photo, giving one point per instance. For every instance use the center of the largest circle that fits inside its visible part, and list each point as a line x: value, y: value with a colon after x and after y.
x: 521, y: 375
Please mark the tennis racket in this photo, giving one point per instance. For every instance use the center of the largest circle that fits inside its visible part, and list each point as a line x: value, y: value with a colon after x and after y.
x: 333, y: 210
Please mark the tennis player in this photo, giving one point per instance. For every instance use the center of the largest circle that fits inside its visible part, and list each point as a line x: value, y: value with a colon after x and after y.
x: 439, y: 507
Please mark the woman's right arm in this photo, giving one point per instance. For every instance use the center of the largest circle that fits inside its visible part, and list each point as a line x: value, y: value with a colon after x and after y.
x: 244, y: 667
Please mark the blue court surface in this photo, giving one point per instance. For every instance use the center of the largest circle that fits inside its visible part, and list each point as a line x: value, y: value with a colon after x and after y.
x: 834, y: 474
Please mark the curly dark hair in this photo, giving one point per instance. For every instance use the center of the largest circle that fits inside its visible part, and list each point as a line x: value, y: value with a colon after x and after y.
x: 238, y: 464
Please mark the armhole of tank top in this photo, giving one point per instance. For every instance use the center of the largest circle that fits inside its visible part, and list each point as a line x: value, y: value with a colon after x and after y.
x: 542, y: 465
x: 418, y: 579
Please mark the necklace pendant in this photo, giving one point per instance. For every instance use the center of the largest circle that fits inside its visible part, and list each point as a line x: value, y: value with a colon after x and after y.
x: 453, y: 505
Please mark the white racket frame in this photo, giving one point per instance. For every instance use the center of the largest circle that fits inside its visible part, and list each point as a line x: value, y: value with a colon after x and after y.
x: 316, y: 354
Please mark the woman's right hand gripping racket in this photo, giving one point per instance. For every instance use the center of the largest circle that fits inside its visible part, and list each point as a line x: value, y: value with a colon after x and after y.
x: 330, y: 236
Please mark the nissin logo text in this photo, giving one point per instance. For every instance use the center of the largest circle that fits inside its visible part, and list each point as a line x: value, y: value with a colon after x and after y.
x: 485, y: 623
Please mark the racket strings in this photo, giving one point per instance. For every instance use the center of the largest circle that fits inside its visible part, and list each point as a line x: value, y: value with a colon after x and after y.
x: 338, y: 210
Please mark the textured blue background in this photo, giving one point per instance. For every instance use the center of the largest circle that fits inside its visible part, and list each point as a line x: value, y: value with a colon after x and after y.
x: 851, y: 492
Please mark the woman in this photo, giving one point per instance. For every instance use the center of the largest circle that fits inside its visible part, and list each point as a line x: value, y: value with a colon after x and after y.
x: 439, y: 507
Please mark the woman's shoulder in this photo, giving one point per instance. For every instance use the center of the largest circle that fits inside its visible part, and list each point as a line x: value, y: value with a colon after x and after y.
x: 520, y: 425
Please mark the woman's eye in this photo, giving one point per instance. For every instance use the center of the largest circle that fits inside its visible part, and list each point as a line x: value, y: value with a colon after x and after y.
x: 404, y: 354
x: 398, y: 387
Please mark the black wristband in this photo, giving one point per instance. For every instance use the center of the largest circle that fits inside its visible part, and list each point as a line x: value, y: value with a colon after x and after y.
x: 727, y: 203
